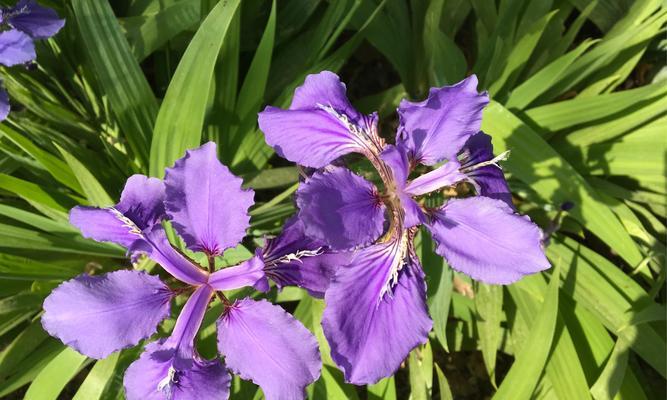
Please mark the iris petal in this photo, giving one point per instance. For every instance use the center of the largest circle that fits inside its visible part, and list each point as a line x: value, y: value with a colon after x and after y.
x: 172, y: 369
x: 97, y: 315
x: 205, y: 201
x: 37, y: 21
x: 263, y: 343
x: 149, y: 378
x: 485, y: 239
x: 371, y: 329
x: 489, y: 179
x: 4, y: 103
x: 340, y: 208
x: 245, y: 274
x: 16, y: 48
x: 438, y: 127
x: 294, y: 259
x: 445, y: 175
x: 141, y: 207
x: 320, y: 125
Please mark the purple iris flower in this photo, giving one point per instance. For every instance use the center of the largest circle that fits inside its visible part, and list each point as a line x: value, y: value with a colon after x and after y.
x: 20, y: 26
x: 97, y: 315
x: 376, y: 309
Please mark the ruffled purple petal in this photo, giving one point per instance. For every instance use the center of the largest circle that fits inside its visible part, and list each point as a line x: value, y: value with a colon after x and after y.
x: 263, y: 343
x: 489, y: 180
x: 370, y: 322
x: 294, y: 259
x: 104, y: 225
x: 97, y: 315
x: 150, y: 378
x: 320, y: 125
x: 485, y: 239
x: 205, y: 201
x: 340, y: 208
x: 140, y: 208
x: 172, y: 369
x: 37, y: 21
x: 16, y: 48
x: 437, y: 128
x: 245, y: 274
x: 445, y: 175
x: 142, y: 201
x: 4, y: 103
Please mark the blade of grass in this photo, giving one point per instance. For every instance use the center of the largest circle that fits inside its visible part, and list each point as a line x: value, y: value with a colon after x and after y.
x: 175, y: 130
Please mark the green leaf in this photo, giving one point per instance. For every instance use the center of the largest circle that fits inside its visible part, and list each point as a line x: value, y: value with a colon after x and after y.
x: 489, y: 307
x: 55, y: 375
x: 420, y: 362
x: 118, y: 73
x: 175, y: 129
x: 21, y: 347
x: 609, y: 382
x: 608, y: 293
x: 148, y: 32
x: 98, y: 379
x: 94, y: 191
x: 520, y: 54
x: 385, y: 389
x: 532, y: 88
x: 525, y: 373
x: 252, y: 93
x: 31, y: 366
x: 44, y: 200
x: 56, y: 167
x: 443, y: 384
x: 439, y: 277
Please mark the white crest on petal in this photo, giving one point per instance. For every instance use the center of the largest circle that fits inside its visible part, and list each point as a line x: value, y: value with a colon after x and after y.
x: 399, y: 253
x: 166, y: 385
x: 127, y: 223
x: 296, y: 256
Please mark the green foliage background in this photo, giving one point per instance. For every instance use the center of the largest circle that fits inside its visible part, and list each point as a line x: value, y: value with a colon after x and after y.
x: 578, y: 96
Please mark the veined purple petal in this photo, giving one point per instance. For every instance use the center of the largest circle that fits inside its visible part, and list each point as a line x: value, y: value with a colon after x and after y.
x: 172, y: 369
x: 263, y: 343
x: 438, y: 127
x: 182, y: 338
x: 489, y: 180
x: 414, y: 215
x: 104, y: 225
x: 245, y: 274
x: 16, y: 48
x: 397, y: 160
x: 340, y: 208
x: 150, y: 378
x: 445, y: 175
x: 142, y: 201
x: 485, y: 239
x: 141, y: 207
x: 294, y: 259
x: 320, y: 125
x: 376, y: 312
x: 205, y: 201
x: 37, y: 21
x: 97, y: 315
x: 4, y: 103
x: 157, y: 247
